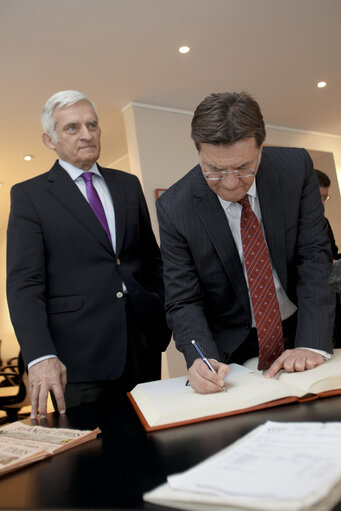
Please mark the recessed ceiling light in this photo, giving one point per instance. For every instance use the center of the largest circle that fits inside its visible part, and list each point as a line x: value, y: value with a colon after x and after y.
x: 27, y: 157
x: 1, y: 183
x: 321, y: 85
x: 184, y: 49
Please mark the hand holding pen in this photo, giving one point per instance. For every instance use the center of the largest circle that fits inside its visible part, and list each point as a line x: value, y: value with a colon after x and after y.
x: 203, y: 382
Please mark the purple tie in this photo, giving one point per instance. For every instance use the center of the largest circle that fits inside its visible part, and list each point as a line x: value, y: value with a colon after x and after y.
x: 95, y: 202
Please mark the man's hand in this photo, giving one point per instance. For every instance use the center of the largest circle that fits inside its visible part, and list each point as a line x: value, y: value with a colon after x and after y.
x: 49, y: 374
x: 298, y: 359
x: 203, y: 380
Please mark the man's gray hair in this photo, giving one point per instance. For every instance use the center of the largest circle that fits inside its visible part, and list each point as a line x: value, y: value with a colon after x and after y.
x: 60, y: 100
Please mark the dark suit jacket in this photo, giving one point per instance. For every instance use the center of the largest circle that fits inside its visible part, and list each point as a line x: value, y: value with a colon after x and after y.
x: 63, y: 275
x: 206, y: 292
x: 334, y: 247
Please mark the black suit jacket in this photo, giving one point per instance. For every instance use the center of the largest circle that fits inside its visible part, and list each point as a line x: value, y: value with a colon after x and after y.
x: 334, y: 247
x: 64, y: 282
x: 206, y: 292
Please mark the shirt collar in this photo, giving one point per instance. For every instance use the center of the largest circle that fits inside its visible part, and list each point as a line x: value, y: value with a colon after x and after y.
x: 75, y: 172
x: 252, y: 192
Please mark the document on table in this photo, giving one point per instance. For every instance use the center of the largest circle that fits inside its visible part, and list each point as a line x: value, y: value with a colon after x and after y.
x: 276, y: 461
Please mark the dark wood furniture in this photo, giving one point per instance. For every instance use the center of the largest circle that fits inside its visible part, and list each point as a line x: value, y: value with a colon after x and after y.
x: 115, y: 470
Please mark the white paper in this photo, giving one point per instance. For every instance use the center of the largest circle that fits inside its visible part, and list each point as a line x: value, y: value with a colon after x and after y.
x: 160, y: 387
x: 276, y: 461
x: 236, y: 370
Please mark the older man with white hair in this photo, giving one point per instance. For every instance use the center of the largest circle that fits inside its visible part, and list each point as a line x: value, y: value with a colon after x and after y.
x: 84, y: 284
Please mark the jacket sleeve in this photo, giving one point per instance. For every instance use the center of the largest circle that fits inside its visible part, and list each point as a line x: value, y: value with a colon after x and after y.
x: 184, y: 297
x: 26, y: 287
x: 315, y: 300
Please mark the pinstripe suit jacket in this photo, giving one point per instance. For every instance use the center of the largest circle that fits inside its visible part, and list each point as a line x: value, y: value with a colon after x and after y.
x: 206, y: 291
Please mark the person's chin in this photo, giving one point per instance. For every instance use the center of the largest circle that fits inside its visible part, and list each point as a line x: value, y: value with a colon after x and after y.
x: 231, y: 197
x: 89, y: 154
x: 88, y: 150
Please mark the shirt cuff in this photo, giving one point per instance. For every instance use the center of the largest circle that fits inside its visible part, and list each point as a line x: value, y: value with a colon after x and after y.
x: 40, y: 359
x: 324, y: 354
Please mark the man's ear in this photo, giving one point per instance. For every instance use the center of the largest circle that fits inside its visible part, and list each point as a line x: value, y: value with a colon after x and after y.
x: 48, y: 141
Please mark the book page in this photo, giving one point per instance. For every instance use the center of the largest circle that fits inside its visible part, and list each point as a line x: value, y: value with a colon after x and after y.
x: 324, y: 377
x: 49, y: 439
x: 162, y: 387
x: 169, y: 401
x: 13, y: 454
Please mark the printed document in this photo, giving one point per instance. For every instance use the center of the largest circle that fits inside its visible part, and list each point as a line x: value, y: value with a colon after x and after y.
x: 276, y: 467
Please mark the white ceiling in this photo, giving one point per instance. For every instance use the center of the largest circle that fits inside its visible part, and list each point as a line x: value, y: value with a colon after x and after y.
x: 118, y: 51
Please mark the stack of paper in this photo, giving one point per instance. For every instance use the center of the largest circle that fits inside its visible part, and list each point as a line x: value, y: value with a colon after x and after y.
x: 277, y: 467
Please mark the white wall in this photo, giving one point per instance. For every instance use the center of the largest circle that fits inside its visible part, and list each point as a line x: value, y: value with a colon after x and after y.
x: 122, y: 163
x: 160, y: 144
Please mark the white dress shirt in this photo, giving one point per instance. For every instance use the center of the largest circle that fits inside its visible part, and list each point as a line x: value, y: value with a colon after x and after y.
x: 233, y: 211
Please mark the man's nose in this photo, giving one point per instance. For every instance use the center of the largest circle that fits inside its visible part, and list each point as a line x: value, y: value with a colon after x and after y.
x: 85, y: 133
x: 230, y: 180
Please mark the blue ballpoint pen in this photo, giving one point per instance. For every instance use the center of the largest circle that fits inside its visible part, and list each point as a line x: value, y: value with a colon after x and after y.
x: 205, y: 359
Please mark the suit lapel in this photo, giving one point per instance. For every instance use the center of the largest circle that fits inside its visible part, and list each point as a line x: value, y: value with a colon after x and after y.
x: 269, y: 193
x: 119, y: 201
x: 216, y: 225
x: 67, y: 193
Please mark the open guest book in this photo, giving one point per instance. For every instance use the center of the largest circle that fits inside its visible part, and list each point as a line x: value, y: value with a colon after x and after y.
x: 168, y: 403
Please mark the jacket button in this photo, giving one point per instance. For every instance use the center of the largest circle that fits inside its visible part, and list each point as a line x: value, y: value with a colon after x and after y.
x: 119, y: 294
x: 118, y: 261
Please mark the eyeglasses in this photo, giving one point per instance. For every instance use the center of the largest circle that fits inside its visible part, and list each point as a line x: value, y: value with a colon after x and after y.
x: 219, y: 175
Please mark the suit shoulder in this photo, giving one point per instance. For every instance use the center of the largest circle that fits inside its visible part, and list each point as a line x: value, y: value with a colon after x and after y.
x: 285, y: 152
x: 293, y: 158
x: 32, y: 182
x: 119, y: 175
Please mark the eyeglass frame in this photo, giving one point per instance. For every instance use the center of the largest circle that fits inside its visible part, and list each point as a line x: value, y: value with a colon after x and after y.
x: 224, y: 173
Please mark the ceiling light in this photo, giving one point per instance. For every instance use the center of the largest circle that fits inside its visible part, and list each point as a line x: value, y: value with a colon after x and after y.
x: 27, y: 157
x: 184, y: 49
x: 1, y: 183
x: 321, y: 85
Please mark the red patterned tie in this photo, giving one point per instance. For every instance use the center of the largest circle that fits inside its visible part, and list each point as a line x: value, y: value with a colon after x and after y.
x: 262, y: 288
